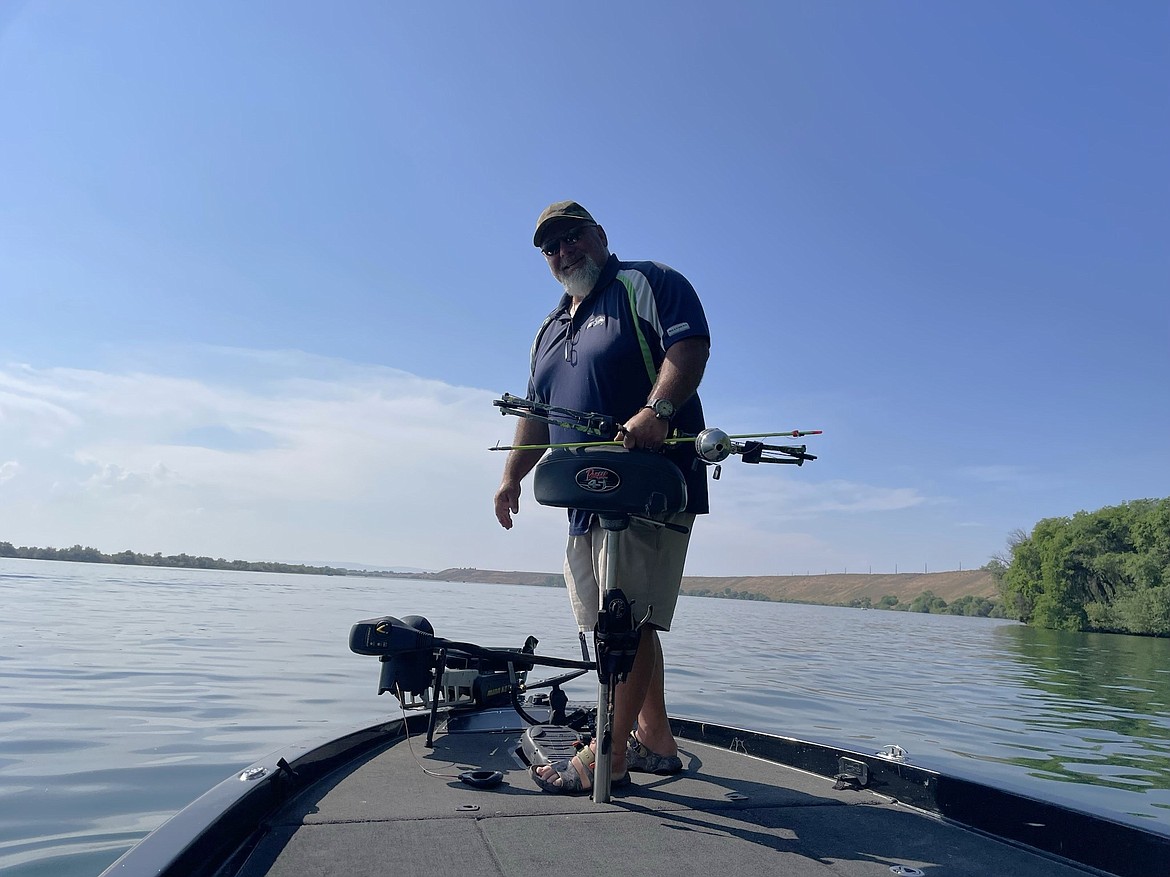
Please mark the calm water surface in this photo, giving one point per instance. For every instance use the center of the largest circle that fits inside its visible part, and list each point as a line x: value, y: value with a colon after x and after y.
x: 127, y: 692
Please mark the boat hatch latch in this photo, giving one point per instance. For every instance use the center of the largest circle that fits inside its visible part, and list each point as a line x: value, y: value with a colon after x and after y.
x: 851, y: 774
x: 893, y: 753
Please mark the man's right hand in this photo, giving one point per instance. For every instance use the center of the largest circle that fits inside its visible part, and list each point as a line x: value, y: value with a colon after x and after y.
x: 507, y: 502
x: 519, y: 464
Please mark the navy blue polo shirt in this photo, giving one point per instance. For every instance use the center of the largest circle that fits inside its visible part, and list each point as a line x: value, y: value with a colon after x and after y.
x: 597, y: 361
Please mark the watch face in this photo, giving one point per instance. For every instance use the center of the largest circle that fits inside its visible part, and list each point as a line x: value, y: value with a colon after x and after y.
x: 664, y: 408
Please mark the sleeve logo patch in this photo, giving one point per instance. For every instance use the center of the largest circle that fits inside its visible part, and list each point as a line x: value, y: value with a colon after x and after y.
x: 676, y: 328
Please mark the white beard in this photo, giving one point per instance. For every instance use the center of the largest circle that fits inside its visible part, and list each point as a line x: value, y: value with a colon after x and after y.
x: 581, y: 282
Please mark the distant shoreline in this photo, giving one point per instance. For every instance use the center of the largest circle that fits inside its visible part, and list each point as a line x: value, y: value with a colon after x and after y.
x: 876, y: 590
x: 831, y: 589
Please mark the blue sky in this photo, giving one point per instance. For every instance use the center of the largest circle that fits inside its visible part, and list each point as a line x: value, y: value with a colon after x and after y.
x: 264, y: 266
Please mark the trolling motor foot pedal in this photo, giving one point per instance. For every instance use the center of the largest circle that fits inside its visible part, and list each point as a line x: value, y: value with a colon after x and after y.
x: 546, y: 744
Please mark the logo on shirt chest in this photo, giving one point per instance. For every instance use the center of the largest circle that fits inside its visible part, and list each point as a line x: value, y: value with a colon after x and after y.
x: 595, y: 320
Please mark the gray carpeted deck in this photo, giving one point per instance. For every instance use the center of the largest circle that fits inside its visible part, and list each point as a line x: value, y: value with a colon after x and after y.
x: 726, y: 814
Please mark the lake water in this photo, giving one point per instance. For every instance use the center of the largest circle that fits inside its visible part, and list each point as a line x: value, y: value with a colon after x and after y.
x: 126, y: 692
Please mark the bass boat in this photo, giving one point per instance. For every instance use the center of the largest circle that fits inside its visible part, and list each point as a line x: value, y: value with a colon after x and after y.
x: 446, y: 788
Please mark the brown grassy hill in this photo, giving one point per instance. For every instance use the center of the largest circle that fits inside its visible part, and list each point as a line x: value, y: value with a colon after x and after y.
x: 494, y: 577
x: 824, y: 589
x: 844, y: 588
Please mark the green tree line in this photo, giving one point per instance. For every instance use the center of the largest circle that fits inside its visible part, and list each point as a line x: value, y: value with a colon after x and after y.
x: 80, y: 554
x: 929, y: 602
x: 725, y: 593
x: 1106, y: 571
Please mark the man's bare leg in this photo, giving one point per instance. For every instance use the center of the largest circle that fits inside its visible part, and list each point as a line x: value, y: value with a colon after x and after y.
x: 631, y: 696
x: 653, y: 722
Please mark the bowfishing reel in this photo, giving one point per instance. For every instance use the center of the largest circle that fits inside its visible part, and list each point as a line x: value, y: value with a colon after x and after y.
x: 713, y: 445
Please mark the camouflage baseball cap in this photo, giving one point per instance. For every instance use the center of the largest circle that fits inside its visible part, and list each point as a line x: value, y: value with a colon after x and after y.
x: 560, y: 213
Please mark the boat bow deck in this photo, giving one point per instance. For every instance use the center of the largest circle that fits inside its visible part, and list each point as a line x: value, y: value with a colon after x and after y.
x: 727, y: 813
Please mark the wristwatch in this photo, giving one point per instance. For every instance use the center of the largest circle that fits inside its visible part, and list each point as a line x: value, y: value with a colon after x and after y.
x: 663, y: 408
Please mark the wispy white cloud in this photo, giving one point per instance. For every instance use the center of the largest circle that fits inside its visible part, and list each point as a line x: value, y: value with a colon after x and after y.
x: 344, y: 462
x: 288, y: 456
x: 789, y: 493
x: 8, y: 470
x: 113, y: 478
x: 777, y: 520
x: 37, y: 417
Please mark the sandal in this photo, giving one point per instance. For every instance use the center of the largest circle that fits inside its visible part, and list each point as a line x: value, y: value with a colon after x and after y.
x: 569, y: 781
x: 640, y: 757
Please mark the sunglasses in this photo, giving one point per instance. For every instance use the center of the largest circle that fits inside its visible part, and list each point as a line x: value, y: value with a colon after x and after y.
x: 552, y: 246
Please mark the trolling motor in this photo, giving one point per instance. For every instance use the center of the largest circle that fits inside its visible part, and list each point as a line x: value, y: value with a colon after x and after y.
x: 457, y: 675
x: 404, y: 649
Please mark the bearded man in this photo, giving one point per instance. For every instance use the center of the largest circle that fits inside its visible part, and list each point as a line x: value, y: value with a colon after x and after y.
x: 630, y: 340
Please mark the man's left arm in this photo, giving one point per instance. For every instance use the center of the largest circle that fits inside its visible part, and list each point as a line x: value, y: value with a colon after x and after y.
x: 678, y: 379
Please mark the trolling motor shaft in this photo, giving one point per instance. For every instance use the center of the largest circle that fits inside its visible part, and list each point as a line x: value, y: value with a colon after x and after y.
x: 616, y: 637
x: 615, y: 640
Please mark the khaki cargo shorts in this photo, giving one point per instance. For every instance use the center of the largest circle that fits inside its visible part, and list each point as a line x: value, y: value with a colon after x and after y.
x: 650, y: 568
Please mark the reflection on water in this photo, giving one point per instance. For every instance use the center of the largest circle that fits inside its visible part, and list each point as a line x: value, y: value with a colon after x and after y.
x: 1106, y: 696
x: 126, y: 692
x: 990, y: 700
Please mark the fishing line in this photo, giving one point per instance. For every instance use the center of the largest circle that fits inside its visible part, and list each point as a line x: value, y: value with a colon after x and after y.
x: 410, y: 744
x: 482, y: 779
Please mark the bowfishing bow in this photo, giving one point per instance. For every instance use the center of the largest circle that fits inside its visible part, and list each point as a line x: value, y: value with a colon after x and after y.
x: 567, y: 418
x: 712, y: 446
